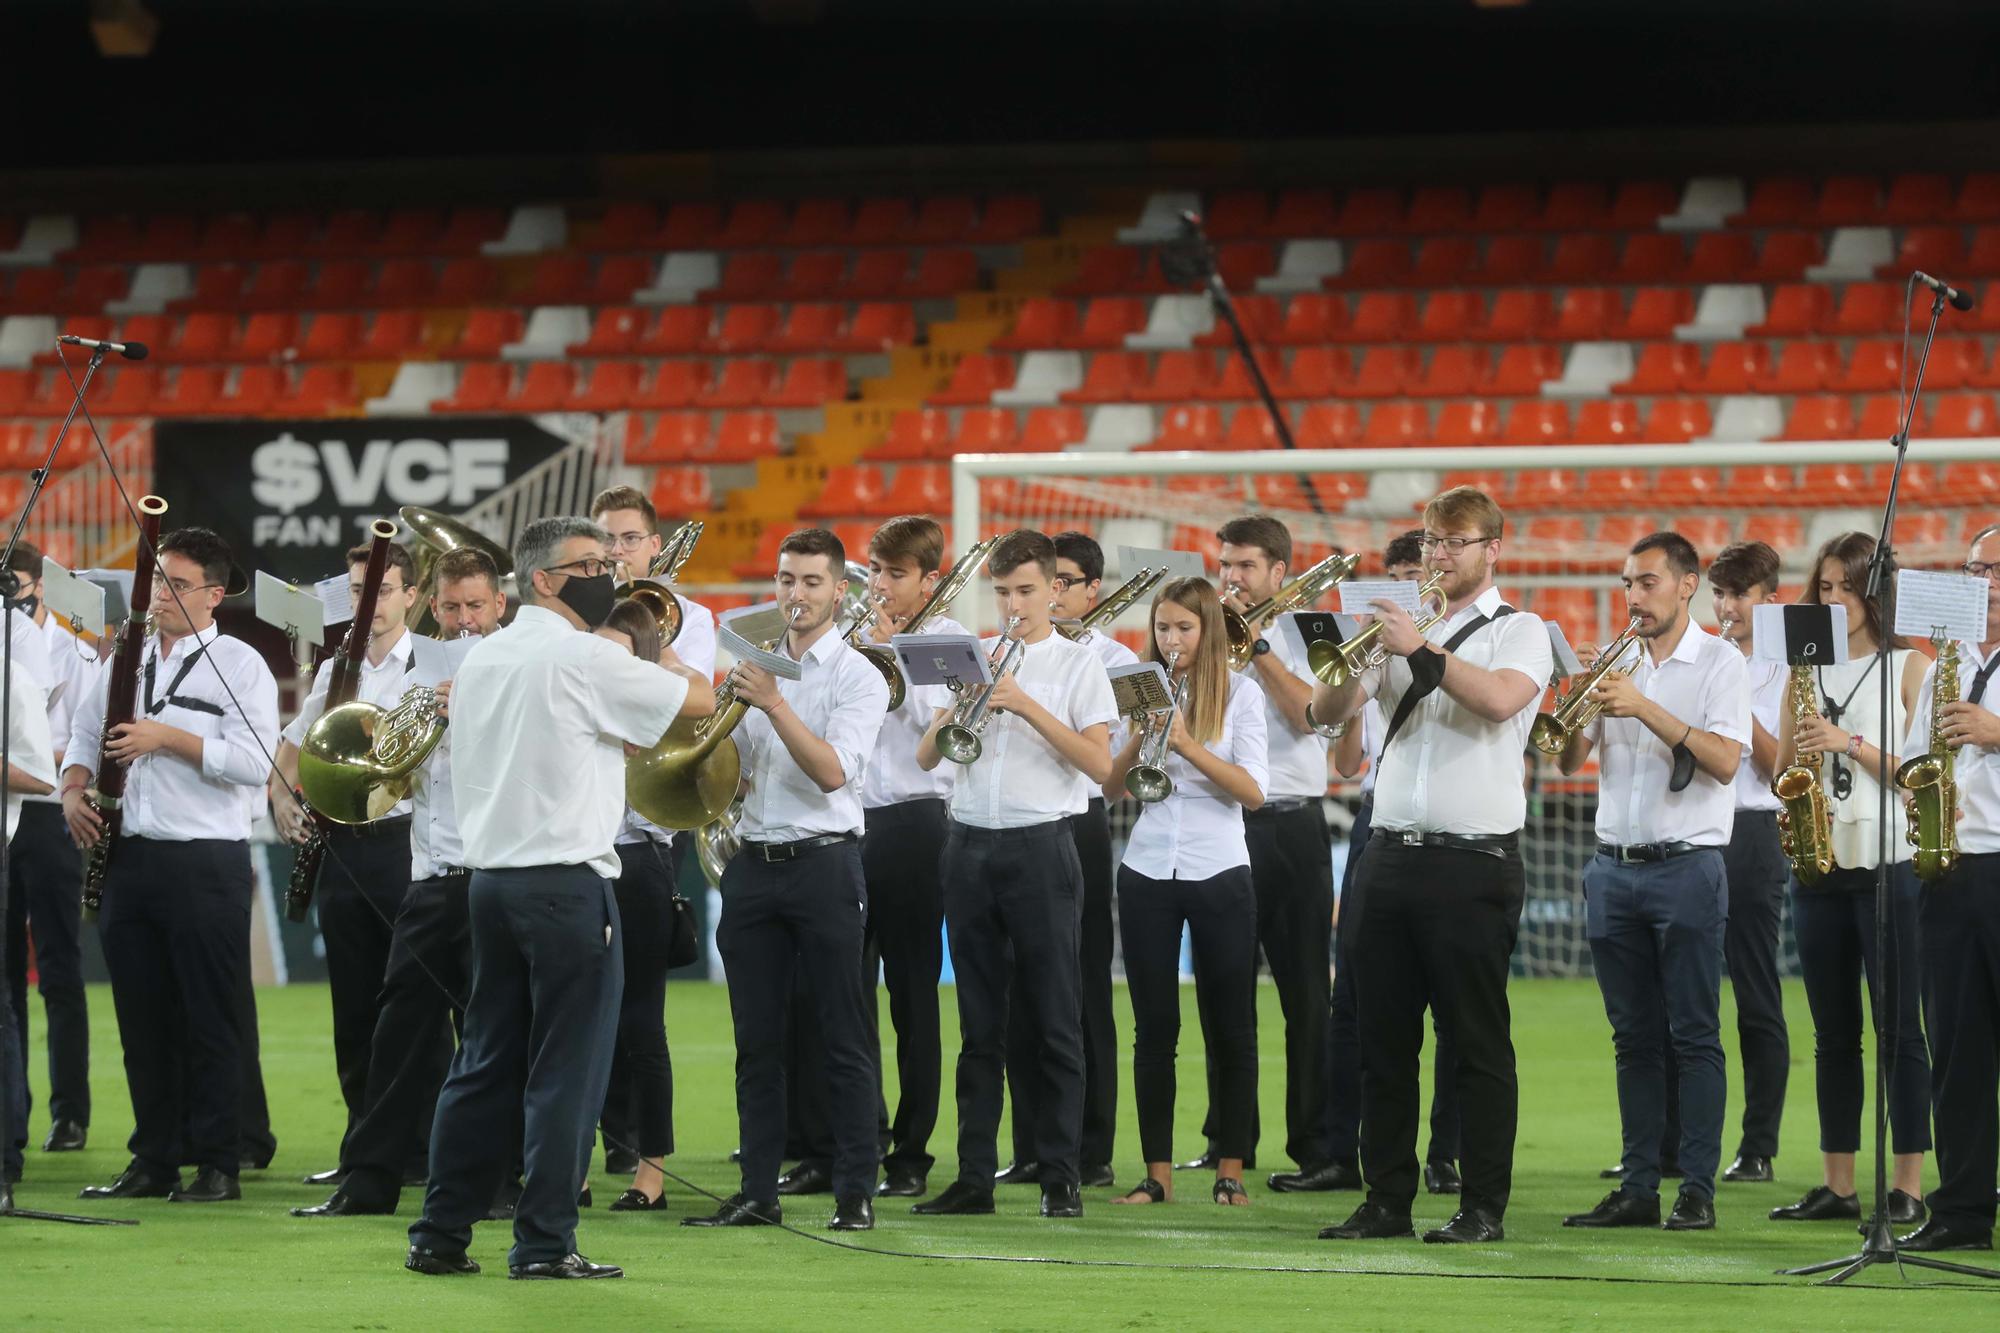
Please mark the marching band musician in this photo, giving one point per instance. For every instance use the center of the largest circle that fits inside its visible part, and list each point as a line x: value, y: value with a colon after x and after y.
x: 1187, y: 864
x: 430, y: 945
x: 1291, y: 858
x: 1013, y: 879
x: 1436, y: 903
x: 31, y: 771
x: 1744, y: 576
x: 1835, y: 918
x: 541, y: 715
x: 1960, y: 918
x: 638, y: 1120
x: 1079, y: 580
x: 366, y: 873
x: 1671, y: 735
x: 176, y: 918
x: 794, y: 895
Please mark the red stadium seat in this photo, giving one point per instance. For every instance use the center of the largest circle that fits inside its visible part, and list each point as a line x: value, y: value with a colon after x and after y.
x: 1106, y: 321
x: 609, y: 387
x: 403, y: 282
x: 560, y: 280
x: 1786, y: 255
x: 815, y: 222
x: 1236, y: 214
x: 1932, y: 249
x: 679, y: 492
x: 940, y: 274
x: 1511, y: 259
x: 486, y: 331
x: 1189, y: 426
x: 1585, y: 314
x: 809, y: 382
x: 1053, y: 429
x: 1777, y: 201
x: 1545, y: 422
x: 258, y: 390
x: 195, y: 391
x: 1006, y: 219
x: 613, y: 332
x: 1802, y: 367
x: 626, y: 225
x: 1848, y: 201
x: 267, y: 336
x: 1733, y: 367
x: 743, y: 437
x: 1384, y: 372
x: 748, y: 277
x: 216, y: 287
x: 1575, y: 206
x: 331, y: 336
x: 1302, y: 212
x: 1318, y: 372
x: 878, y: 326
x: 1450, y: 316
x: 1607, y: 421
x: 1818, y: 417
x: 671, y: 438
x: 1867, y: 308
x: 1444, y: 260
x: 977, y: 375
x: 320, y: 391
x: 1251, y: 427
x: 940, y: 220
x: 1042, y: 321
x: 1965, y: 416
x: 744, y: 328
x: 1397, y: 426
x: 854, y: 488
x: 1453, y: 372
x: 1796, y: 310
x: 1374, y: 263
x: 680, y: 330
x: 1312, y: 317
x: 1105, y: 270
x: 1328, y: 426
x: 1639, y: 205
x: 336, y: 284
x: 1177, y: 376
x: 1505, y: 207
x: 1915, y: 198
x: 1978, y: 199
x: 813, y: 276
x: 1382, y: 317
x: 1467, y: 422
x: 742, y: 383
x: 672, y: 385
x: 1651, y: 257
x: 1518, y: 315
x: 878, y: 222
x: 985, y: 430
x: 808, y: 327
x: 749, y: 222
x: 203, y: 336
x: 1881, y: 416
x: 1875, y: 366
x: 1111, y: 377
x: 1521, y: 369
x: 1656, y: 312
x: 875, y: 273
x: 924, y: 433
x: 1439, y: 208
x: 545, y: 386
x: 1721, y: 256
x: 917, y: 489
x: 1261, y: 320
x: 1581, y: 259
x: 1234, y: 382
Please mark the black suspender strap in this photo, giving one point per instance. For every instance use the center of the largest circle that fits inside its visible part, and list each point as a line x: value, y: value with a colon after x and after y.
x: 1430, y: 675
x: 153, y: 706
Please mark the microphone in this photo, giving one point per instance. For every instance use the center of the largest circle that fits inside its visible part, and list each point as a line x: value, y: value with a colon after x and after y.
x: 1960, y: 300
x: 137, y: 351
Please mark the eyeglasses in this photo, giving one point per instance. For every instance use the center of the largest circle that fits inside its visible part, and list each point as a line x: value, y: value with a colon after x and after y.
x: 1980, y: 569
x: 628, y: 541
x: 1063, y: 582
x: 589, y: 567
x: 182, y: 587
x: 1450, y: 545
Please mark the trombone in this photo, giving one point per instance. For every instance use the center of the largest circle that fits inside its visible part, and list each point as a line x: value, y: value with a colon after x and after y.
x: 1552, y: 731
x: 1335, y: 665
x: 958, y: 740
x: 1147, y: 780
x: 653, y: 591
x: 1114, y: 606
x: 1302, y: 591
x: 948, y: 588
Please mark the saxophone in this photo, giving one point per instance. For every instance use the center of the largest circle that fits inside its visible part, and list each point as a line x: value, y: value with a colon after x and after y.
x: 1931, y: 779
x: 1805, y: 825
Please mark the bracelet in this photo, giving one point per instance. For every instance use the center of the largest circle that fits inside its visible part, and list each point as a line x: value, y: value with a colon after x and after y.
x: 1854, y: 746
x: 1684, y: 736
x: 74, y: 786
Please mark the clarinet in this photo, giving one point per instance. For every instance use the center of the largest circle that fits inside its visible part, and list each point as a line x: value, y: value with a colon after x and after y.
x: 107, y: 793
x: 343, y: 683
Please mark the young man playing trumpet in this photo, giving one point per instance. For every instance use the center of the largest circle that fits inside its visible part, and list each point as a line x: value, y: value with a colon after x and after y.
x: 1012, y: 877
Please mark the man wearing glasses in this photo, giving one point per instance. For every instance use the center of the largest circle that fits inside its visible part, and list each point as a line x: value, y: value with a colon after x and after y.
x: 366, y: 873
x: 1436, y: 901
x: 176, y: 918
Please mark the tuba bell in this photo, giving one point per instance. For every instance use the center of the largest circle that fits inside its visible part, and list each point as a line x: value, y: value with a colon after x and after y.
x: 358, y: 761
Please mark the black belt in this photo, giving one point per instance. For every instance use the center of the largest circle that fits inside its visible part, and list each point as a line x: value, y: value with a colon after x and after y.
x: 446, y: 872
x: 1283, y: 806
x: 1642, y: 853
x: 772, y: 852
x: 1486, y: 844
x: 399, y: 826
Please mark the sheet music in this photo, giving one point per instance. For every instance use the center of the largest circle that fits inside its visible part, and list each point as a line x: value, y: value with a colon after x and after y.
x: 1355, y: 596
x: 1139, y: 688
x: 292, y: 609
x: 1927, y: 601
x: 336, y: 594
x: 73, y: 600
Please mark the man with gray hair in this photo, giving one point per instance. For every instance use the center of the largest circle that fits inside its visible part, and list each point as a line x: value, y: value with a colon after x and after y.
x: 540, y: 716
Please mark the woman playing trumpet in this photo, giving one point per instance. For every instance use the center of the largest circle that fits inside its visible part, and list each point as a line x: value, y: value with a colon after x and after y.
x: 1187, y: 862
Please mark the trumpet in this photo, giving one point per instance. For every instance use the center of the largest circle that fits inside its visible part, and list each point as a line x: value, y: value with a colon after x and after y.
x: 653, y: 592
x: 947, y: 591
x: 1114, y: 606
x: 1551, y: 732
x: 958, y: 740
x: 1302, y: 591
x: 1147, y: 780
x: 1337, y: 664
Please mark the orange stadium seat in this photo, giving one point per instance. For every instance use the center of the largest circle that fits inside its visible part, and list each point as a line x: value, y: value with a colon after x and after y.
x: 1656, y: 312
x: 744, y: 328
x: 331, y: 336
x: 1396, y: 426
x: 1553, y: 489
x: 1303, y: 212
x: 1104, y: 270
x: 680, y: 330
x: 1053, y: 429
x: 1964, y: 416
x: 156, y: 331
x: 16, y: 387
x: 1819, y: 417
x: 742, y: 383
x: 216, y: 287
x: 744, y: 436
x: 482, y: 387
x: 608, y: 387
x: 1537, y: 422
x: 1796, y: 310
x: 672, y: 437
x: 1234, y: 381
x: 1374, y: 263
x: 1676, y: 420
x: 486, y: 331
x: 1721, y: 256
x: 1517, y: 315
x: 319, y: 391
x: 1511, y: 259
x: 1449, y: 315
x: 977, y: 375
x: 1177, y: 376
x: 614, y: 331
x: 1318, y: 372
x: 1585, y: 314
x: 1606, y: 421
x: 1881, y: 415
x: 1687, y: 487
x: 877, y: 326
x: 1662, y: 367
x: 1111, y: 377
x: 940, y: 274
x: 1866, y: 308
x: 392, y: 335
x: 680, y: 492
x: 1733, y: 367
x: 1933, y: 249
x: 808, y: 382
x: 1312, y: 317
x: 985, y: 430
x: 1261, y: 321
x: 1042, y: 321
x: 923, y: 433
x: 1875, y: 366
x: 1251, y: 427
x: 1383, y: 372
x: 918, y: 488
x: 854, y: 488
x: 1802, y: 367
x: 1452, y: 372
x: 1189, y: 426
x: 276, y: 283
x: 195, y: 391
x: 1328, y: 426
x: 1106, y: 321
x: 267, y: 335
x: 1382, y: 317
x: 1521, y: 370
x: 206, y: 335
x: 808, y: 327
x: 1955, y: 363
x: 545, y: 386
x: 133, y: 391
x: 1467, y: 422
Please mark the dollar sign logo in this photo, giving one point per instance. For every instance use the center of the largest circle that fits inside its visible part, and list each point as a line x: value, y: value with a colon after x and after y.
x: 285, y: 473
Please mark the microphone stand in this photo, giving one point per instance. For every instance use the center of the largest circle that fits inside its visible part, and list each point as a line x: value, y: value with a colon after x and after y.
x: 1880, y: 1247
x: 10, y: 587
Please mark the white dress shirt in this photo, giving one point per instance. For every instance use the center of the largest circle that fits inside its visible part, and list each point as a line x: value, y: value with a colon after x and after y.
x: 893, y: 774
x: 382, y: 684
x: 1767, y: 682
x: 1702, y: 683
x: 1109, y: 651
x: 1019, y: 779
x: 29, y: 749
x: 1449, y: 769
x: 1978, y: 767
x: 541, y: 713
x: 842, y: 700
x: 72, y: 670
x: 435, y: 843
x: 1298, y: 758
x: 1374, y: 728
x: 167, y: 798
x: 1856, y: 822
x: 28, y: 646
x: 695, y: 646
x: 1197, y: 832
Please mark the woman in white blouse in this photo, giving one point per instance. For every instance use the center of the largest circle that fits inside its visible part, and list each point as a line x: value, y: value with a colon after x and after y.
x: 1187, y: 862
x: 1835, y: 919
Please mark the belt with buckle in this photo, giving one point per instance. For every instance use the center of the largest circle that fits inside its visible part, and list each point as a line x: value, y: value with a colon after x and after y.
x: 1644, y: 853
x: 772, y: 852
x: 1486, y: 844
x: 1281, y: 806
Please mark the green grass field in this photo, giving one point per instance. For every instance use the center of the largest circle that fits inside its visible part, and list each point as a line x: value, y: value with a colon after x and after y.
x: 249, y: 1265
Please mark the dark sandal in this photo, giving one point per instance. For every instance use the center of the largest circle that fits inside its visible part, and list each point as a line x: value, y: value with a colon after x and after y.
x: 1228, y: 1190
x: 1154, y: 1191
x: 633, y: 1201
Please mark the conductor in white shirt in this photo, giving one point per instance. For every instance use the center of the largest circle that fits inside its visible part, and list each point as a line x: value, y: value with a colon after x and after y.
x: 541, y: 713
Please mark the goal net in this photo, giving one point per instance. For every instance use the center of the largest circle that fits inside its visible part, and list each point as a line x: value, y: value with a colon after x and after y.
x: 1572, y: 514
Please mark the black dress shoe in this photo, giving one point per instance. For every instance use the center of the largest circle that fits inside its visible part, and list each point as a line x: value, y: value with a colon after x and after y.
x: 208, y: 1186
x: 1371, y: 1221
x: 569, y: 1266
x: 1061, y: 1201
x: 1442, y: 1178
x: 737, y: 1211
x: 6, y: 1197
x: 343, y: 1204
x: 1469, y: 1226
x: 1612, y: 1172
x: 1938, y: 1234
x: 1620, y: 1208
x: 65, y: 1136
x: 958, y: 1200
x: 1019, y: 1173
x: 1820, y: 1204
x: 1332, y: 1176
x: 1748, y: 1168
x: 1692, y: 1212
x: 438, y: 1263
x: 805, y: 1178
x: 635, y: 1201
x: 134, y: 1182
x: 1905, y: 1210
x: 854, y: 1213
x: 901, y: 1183
x: 1098, y: 1177
x: 1205, y: 1162
x: 332, y: 1177
x: 620, y: 1161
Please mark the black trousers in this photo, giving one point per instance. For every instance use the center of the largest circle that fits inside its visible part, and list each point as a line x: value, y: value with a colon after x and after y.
x: 621, y: 1107
x: 1756, y: 869
x: 45, y: 892
x: 361, y: 888
x: 257, y: 1144
x: 645, y: 892
x: 176, y: 932
x: 1435, y: 926
x: 14, y: 1104
x: 900, y: 857
x: 1100, y: 1025
x: 1221, y: 915
x: 1835, y: 921
x: 1961, y: 953
x: 806, y: 913
x: 1012, y: 902
x: 1291, y: 864
x: 529, y: 1076
x: 430, y: 955
x: 1343, y: 1041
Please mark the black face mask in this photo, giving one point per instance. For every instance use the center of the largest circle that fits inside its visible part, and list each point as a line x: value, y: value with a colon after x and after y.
x: 590, y: 597
x: 28, y: 605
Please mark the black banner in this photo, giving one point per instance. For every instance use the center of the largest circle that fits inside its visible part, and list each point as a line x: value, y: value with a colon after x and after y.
x: 292, y: 496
